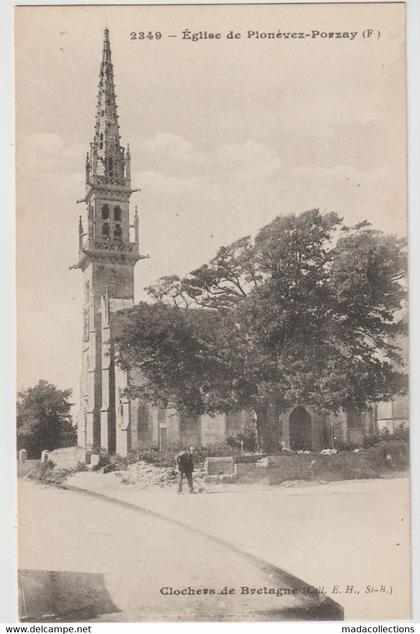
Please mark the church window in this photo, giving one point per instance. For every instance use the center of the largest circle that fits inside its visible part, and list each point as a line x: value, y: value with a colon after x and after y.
x: 102, y: 113
x: 101, y: 141
x: 117, y: 232
x: 110, y: 167
x: 117, y: 214
x: 105, y: 212
x: 105, y: 230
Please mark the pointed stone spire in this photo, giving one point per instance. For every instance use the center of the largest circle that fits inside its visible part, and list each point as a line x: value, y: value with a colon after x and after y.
x: 109, y: 153
x: 128, y: 162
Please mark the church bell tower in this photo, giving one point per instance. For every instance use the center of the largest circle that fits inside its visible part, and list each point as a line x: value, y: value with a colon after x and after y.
x: 108, y: 252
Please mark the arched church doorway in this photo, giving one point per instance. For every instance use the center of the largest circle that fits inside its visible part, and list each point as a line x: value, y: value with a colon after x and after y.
x: 300, y: 428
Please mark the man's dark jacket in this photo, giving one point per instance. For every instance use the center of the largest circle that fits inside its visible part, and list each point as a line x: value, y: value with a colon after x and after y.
x: 185, y: 462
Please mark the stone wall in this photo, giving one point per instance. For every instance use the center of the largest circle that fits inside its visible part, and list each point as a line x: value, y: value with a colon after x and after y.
x: 189, y: 430
x: 213, y: 430
x: 172, y: 428
x: 142, y: 425
x: 236, y: 422
x: 346, y: 465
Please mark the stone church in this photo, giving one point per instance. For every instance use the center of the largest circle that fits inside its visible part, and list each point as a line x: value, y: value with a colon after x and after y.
x: 108, y: 252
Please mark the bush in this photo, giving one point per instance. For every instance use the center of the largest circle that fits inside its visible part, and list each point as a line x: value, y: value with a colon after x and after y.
x: 247, y: 437
x: 167, y: 458
x: 29, y: 469
x: 342, y: 445
x: 221, y: 451
x: 41, y: 471
x: 370, y: 441
x: 104, y: 459
x: 153, y: 456
x: 399, y: 450
x: 401, y: 433
x: 46, y: 471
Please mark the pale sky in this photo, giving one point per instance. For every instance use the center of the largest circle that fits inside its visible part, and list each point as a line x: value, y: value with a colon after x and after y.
x: 224, y: 136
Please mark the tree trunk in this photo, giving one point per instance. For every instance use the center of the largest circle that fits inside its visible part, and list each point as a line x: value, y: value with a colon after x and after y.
x: 268, y: 431
x: 259, y: 429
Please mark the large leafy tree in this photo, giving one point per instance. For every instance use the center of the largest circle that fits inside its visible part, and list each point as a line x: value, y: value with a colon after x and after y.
x: 44, y: 419
x: 305, y: 313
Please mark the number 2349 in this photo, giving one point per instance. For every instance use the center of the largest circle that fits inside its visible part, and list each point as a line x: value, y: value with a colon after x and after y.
x: 145, y: 35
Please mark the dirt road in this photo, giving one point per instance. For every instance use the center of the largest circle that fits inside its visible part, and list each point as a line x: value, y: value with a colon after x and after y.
x: 350, y: 536
x: 84, y: 558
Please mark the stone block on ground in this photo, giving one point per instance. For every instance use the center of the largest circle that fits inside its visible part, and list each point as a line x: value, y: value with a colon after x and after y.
x: 249, y: 472
x: 94, y: 460
x: 218, y: 479
x: 228, y: 478
x: 223, y: 465
x: 68, y: 457
x: 211, y: 479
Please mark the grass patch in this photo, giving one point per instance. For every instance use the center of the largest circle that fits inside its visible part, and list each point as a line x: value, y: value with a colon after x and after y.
x: 46, y: 471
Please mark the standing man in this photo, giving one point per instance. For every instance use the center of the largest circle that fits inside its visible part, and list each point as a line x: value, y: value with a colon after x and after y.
x: 185, y: 463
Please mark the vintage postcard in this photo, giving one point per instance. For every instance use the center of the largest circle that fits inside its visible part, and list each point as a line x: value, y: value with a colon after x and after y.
x: 212, y: 407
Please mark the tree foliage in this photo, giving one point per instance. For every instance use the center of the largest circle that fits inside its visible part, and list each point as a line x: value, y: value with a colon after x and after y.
x: 304, y: 313
x: 44, y: 419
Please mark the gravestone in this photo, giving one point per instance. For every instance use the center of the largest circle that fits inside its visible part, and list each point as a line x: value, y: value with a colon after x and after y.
x: 94, y: 460
x: 44, y: 455
x: 222, y: 465
x: 23, y: 455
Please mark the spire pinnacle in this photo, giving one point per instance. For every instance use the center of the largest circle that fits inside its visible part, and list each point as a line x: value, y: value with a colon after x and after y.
x: 136, y: 225
x: 80, y: 233
x: 109, y: 155
x: 106, y: 54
